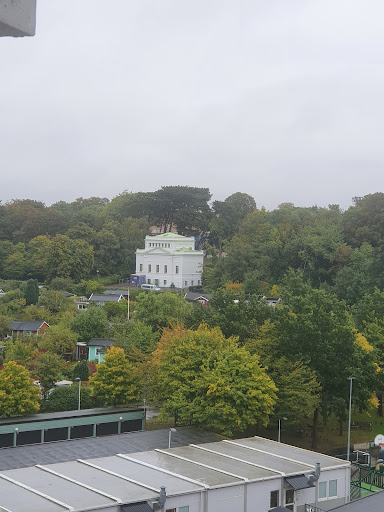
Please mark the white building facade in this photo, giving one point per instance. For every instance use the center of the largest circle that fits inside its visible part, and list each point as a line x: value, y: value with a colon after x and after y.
x: 170, y: 259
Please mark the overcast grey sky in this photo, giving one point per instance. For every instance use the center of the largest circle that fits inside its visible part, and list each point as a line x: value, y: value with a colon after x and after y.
x: 282, y: 99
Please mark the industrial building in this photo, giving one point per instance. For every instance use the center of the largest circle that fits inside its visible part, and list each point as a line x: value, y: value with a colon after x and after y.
x: 247, y: 475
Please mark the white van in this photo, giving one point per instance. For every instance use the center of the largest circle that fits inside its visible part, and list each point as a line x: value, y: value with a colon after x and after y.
x: 152, y: 287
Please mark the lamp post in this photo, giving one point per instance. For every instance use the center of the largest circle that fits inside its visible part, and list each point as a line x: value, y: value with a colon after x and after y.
x: 79, y: 381
x: 349, y: 415
x: 128, y: 306
x: 170, y: 435
x: 279, y: 431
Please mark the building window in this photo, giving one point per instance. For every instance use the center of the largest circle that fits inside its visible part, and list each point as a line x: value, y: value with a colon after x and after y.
x: 198, y: 282
x: 274, y: 499
x: 141, y: 267
x: 185, y: 283
x: 148, y: 281
x: 192, y: 282
x: 156, y: 282
x: 165, y: 282
x: 165, y: 269
x: 332, y: 489
x: 184, y: 509
x: 177, y: 269
x: 157, y: 268
x: 322, y: 490
x: 149, y: 268
x: 170, y: 510
x: 289, y: 499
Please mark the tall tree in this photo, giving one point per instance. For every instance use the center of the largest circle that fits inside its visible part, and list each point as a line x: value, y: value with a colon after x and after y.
x: 92, y: 323
x: 115, y: 381
x: 18, y: 395
x: 211, y: 382
x: 31, y: 292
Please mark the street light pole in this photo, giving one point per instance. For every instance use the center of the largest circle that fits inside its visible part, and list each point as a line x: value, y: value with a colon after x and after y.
x: 279, y: 431
x: 79, y: 381
x: 349, y: 415
x: 170, y: 435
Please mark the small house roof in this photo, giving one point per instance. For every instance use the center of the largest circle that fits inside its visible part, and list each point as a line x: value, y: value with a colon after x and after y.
x: 105, y: 298
x: 116, y: 292
x: 27, y: 326
x: 100, y: 342
x: 191, y: 296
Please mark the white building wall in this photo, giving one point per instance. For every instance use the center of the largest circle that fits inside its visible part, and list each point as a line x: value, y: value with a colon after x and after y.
x: 189, y: 263
x: 17, y: 18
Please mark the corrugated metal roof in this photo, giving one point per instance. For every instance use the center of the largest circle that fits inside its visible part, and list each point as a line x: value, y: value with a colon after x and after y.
x: 137, y: 507
x: 299, y: 482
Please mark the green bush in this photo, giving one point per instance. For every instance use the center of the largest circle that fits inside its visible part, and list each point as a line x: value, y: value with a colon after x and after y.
x: 66, y: 399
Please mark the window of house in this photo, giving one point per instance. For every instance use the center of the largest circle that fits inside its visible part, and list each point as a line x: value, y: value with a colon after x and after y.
x: 165, y: 282
x: 148, y: 281
x: 141, y: 267
x: 27, y: 333
x: 177, y: 269
x: 192, y: 282
x: 274, y: 499
x: 170, y: 510
x: 289, y: 499
x: 165, y: 269
x: 185, y: 283
x: 332, y: 488
x: 156, y: 282
x: 157, y: 268
x: 322, y: 490
x: 198, y: 282
x: 149, y: 268
x: 184, y: 509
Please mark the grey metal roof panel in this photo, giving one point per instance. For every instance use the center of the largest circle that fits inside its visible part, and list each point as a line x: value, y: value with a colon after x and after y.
x: 285, y: 450
x: 15, y: 498
x: 264, y: 459
x: 59, y: 488
x: 223, y: 463
x: 106, y: 482
x: 150, y: 476
x: 188, y: 469
x: 299, y: 482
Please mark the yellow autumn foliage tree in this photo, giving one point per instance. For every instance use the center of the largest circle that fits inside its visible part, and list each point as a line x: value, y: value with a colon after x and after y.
x: 18, y: 395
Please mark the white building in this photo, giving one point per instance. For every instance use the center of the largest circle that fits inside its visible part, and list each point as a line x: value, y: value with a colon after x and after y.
x: 246, y: 475
x: 170, y: 259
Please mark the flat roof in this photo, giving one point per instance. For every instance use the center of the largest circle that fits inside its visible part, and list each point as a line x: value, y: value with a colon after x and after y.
x: 66, y: 414
x: 125, y: 478
x: 91, y: 447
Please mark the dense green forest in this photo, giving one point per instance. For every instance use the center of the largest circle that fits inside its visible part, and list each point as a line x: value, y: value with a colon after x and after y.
x: 324, y: 264
x: 338, y: 251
